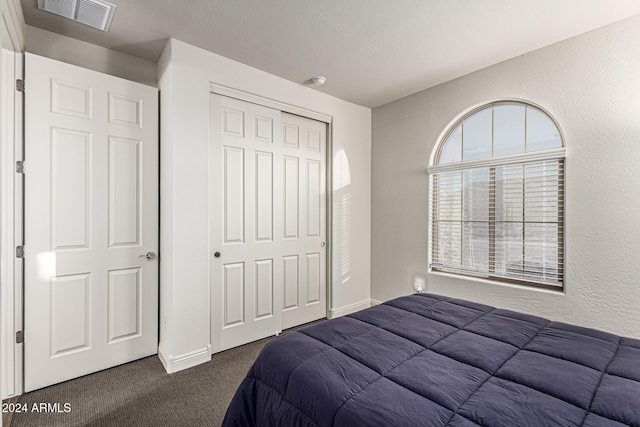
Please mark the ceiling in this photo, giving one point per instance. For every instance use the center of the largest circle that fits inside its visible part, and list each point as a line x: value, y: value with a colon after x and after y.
x: 371, y: 51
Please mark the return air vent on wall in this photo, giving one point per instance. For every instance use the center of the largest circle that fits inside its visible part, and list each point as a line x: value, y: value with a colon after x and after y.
x: 95, y: 13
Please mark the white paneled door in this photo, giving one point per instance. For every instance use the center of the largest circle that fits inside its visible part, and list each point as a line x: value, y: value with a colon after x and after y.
x: 91, y: 221
x: 268, y: 221
x: 304, y: 218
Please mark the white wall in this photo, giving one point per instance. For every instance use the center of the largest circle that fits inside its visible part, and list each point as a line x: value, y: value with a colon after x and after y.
x: 72, y: 51
x: 184, y: 74
x: 591, y: 85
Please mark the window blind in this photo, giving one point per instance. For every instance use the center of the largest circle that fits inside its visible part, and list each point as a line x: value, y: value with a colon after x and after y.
x: 502, y: 221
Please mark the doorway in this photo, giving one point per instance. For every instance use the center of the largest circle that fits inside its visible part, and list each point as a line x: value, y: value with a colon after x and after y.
x: 91, y: 221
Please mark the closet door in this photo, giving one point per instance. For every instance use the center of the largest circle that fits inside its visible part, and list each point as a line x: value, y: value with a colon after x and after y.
x: 267, y: 222
x: 246, y: 201
x: 304, y: 220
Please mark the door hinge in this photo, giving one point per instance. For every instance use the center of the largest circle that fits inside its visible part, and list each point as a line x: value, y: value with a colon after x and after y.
x: 20, y: 251
x: 20, y: 166
x: 19, y: 337
x: 20, y: 85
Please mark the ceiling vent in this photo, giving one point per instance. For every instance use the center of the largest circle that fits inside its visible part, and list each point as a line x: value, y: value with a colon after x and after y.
x: 94, y: 13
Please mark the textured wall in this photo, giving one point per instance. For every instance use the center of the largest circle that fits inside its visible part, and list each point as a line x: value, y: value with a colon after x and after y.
x: 91, y: 56
x: 591, y: 85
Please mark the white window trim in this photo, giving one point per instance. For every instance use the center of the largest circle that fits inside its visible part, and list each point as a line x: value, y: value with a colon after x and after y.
x: 534, y: 156
x: 559, y: 153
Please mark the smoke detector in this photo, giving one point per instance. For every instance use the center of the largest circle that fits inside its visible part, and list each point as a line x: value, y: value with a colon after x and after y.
x: 94, y: 13
x: 319, y: 80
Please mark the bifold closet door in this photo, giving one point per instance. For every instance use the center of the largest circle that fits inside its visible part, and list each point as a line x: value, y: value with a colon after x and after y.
x: 91, y: 218
x: 267, y: 258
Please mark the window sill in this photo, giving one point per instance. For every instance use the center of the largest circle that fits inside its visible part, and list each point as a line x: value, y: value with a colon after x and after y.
x: 512, y: 285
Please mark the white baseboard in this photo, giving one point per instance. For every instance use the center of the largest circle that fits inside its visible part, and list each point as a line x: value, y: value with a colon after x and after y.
x: 343, y: 311
x: 184, y: 361
x: 375, y: 302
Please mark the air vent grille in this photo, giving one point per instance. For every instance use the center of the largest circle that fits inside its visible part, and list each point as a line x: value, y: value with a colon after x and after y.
x: 66, y: 8
x: 95, y: 13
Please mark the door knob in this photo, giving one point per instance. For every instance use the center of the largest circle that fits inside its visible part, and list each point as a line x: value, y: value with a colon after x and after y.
x: 217, y: 255
x: 148, y: 255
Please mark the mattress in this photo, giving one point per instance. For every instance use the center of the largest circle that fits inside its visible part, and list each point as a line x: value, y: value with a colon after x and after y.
x: 429, y: 360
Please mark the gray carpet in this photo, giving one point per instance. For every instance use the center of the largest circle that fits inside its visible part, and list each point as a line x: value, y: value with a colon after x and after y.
x: 141, y: 393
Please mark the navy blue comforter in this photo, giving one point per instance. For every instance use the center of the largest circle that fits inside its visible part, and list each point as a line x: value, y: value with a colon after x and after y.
x: 428, y: 360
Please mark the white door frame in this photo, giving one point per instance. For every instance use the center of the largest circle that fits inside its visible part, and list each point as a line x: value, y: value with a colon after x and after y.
x: 11, y: 199
x: 315, y: 115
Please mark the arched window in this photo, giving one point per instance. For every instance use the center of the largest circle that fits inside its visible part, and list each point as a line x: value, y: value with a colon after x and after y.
x: 497, y: 196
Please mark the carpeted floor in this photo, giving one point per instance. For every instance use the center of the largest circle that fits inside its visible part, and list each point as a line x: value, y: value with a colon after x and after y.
x: 141, y: 393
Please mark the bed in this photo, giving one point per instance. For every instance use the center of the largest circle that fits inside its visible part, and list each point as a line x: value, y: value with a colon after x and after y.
x: 429, y: 360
